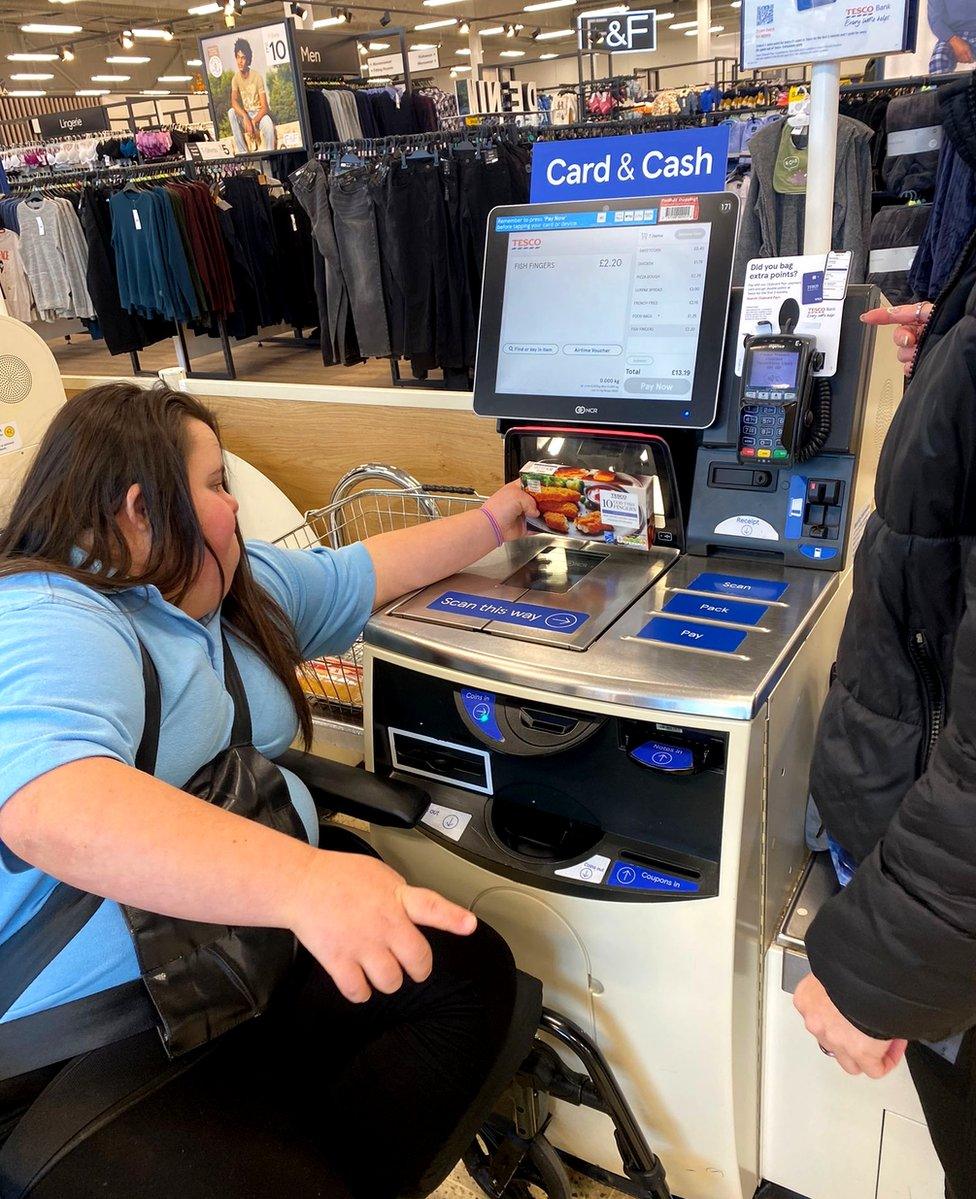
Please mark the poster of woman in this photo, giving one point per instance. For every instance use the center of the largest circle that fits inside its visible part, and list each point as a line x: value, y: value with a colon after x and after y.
x: 253, y: 89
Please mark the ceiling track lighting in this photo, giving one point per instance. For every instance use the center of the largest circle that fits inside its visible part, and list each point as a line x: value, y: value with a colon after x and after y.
x: 385, y: 19
x: 66, y: 54
x: 464, y: 28
x: 296, y: 10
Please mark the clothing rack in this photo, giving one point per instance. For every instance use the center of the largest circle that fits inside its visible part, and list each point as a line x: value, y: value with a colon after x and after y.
x: 909, y: 83
x: 52, y: 180
x: 507, y: 126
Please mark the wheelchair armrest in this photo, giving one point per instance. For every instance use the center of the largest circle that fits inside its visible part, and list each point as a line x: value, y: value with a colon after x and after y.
x: 356, y: 792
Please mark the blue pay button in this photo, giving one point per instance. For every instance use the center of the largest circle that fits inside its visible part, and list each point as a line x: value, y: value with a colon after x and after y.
x: 556, y: 620
x: 738, y: 587
x: 729, y: 611
x: 687, y: 632
x: 639, y: 878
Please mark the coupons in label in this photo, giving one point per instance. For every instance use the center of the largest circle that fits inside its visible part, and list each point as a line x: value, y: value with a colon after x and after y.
x: 679, y: 208
x: 10, y: 438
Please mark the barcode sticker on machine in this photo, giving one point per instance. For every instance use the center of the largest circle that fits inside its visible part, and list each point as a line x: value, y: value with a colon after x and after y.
x: 679, y: 208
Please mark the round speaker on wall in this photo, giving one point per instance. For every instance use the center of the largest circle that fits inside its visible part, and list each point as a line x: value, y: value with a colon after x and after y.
x: 15, y: 379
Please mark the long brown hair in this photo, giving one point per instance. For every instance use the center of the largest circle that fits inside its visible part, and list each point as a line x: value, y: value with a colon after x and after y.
x: 101, y: 442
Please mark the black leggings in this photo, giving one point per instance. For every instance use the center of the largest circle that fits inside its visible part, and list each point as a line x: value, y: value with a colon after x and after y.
x: 319, y: 1097
x: 948, y: 1095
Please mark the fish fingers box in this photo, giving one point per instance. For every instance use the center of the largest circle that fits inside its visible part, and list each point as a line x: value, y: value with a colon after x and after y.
x: 596, y: 505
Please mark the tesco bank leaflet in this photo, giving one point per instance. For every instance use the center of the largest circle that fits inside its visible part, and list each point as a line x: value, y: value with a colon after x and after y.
x: 605, y: 304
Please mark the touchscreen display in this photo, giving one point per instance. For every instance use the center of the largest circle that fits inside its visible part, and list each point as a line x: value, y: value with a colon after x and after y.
x: 606, y: 304
x: 772, y: 368
x: 555, y: 570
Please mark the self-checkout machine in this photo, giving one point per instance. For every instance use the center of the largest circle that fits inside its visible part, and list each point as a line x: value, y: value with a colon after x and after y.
x: 616, y: 742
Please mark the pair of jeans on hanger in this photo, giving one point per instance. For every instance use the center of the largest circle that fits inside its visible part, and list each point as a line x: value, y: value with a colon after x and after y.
x: 348, y: 282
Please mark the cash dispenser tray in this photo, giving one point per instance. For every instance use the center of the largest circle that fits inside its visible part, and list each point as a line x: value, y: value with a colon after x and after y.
x: 557, y: 589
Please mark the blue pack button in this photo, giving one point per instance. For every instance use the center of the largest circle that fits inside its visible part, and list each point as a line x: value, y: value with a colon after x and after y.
x: 738, y: 587
x: 691, y: 634
x: 669, y: 758
x: 640, y: 878
x: 725, y: 610
x: 820, y: 553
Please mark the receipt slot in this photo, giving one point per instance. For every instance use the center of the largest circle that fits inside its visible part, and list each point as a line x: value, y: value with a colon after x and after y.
x: 616, y: 742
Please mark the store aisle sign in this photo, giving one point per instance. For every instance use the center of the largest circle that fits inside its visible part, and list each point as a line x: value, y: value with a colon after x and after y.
x: 386, y: 65
x: 630, y: 33
x: 643, y: 164
x: 78, y: 121
x: 779, y: 33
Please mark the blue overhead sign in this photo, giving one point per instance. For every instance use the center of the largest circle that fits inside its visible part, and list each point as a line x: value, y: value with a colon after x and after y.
x: 675, y: 163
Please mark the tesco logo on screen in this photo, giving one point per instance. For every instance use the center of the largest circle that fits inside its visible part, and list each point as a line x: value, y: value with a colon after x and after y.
x: 526, y: 243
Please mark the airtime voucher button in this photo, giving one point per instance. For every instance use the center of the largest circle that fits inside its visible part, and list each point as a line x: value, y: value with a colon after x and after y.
x: 593, y: 351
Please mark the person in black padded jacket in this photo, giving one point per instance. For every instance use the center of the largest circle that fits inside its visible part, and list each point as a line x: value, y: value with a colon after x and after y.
x: 893, y: 954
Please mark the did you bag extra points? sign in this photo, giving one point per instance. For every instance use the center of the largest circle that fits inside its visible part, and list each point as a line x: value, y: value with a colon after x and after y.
x: 641, y: 164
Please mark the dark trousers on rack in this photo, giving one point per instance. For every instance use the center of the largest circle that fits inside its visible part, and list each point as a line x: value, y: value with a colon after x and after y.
x: 359, y: 257
x: 425, y: 288
x: 311, y: 190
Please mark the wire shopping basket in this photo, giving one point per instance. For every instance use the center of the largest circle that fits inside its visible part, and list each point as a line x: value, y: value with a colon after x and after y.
x: 334, y: 685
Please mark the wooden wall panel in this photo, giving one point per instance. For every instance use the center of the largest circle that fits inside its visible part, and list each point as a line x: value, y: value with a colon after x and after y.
x: 305, y: 448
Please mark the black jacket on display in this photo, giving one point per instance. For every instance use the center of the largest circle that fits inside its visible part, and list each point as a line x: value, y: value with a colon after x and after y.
x: 894, y: 768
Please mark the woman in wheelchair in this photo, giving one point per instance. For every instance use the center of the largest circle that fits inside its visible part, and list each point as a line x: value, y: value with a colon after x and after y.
x: 162, y: 882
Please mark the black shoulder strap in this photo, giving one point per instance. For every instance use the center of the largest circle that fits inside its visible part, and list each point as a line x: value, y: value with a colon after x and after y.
x: 67, y: 910
x: 242, y: 733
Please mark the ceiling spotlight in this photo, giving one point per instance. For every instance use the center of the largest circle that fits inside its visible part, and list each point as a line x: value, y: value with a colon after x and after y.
x: 464, y: 28
x: 536, y: 32
x: 518, y: 27
x: 509, y: 30
x: 385, y: 19
x: 363, y: 50
x: 296, y: 10
x: 67, y: 54
x: 126, y: 40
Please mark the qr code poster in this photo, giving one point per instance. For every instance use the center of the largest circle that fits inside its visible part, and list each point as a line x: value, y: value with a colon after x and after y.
x: 787, y: 32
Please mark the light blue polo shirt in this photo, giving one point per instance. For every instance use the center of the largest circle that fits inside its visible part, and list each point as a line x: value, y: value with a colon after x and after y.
x: 71, y: 687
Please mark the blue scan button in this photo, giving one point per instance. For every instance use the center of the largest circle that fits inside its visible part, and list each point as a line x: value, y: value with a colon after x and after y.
x: 673, y: 759
x: 820, y: 553
x: 480, y: 706
x: 640, y: 878
x: 738, y: 587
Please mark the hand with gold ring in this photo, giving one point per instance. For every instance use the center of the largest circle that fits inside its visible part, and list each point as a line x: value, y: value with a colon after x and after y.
x: 853, y: 1050
x: 909, y: 321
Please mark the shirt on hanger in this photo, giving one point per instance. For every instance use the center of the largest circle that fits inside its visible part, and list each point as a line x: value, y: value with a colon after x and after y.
x: 13, y: 278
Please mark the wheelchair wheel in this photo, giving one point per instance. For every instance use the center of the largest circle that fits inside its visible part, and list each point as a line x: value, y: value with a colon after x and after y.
x: 539, y: 1175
